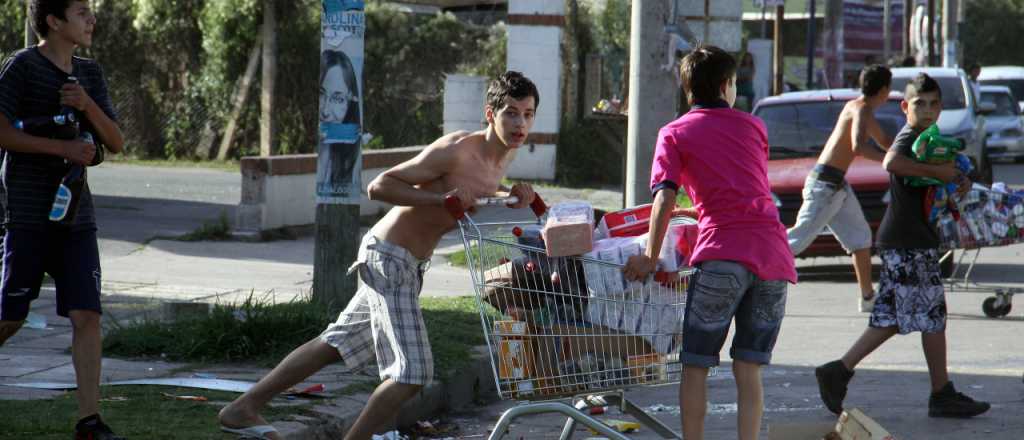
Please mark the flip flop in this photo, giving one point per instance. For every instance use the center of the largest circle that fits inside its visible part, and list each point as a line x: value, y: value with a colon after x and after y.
x: 258, y: 432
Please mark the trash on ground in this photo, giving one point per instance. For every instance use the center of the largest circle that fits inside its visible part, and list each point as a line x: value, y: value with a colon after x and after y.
x: 315, y: 389
x: 392, y: 435
x: 621, y: 426
x: 660, y: 408
x: 190, y: 398
x: 35, y: 320
x: 114, y: 399
x: 855, y: 425
x: 722, y: 408
x: 235, y: 386
x: 433, y: 428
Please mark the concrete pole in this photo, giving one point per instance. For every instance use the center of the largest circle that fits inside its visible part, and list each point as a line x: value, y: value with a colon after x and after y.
x: 908, y: 13
x: 932, y: 59
x: 812, y: 39
x: 651, y: 94
x: 778, y: 63
x: 268, y: 131
x: 951, y: 45
x: 886, y: 30
x: 30, y: 35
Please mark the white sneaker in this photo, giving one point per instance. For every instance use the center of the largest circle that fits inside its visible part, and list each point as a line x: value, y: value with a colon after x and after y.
x: 867, y: 306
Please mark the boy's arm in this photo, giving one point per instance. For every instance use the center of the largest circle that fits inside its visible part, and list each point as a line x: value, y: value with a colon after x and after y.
x: 397, y: 185
x: 901, y: 165
x: 864, y: 127
x: 12, y: 139
x: 98, y: 113
x: 639, y: 266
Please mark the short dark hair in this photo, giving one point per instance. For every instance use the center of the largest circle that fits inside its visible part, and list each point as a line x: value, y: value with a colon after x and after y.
x: 703, y: 71
x: 874, y: 78
x: 922, y: 83
x: 38, y: 10
x: 511, y: 84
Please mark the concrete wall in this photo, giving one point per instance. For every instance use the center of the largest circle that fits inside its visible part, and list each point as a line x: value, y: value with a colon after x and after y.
x: 464, y: 103
x: 279, y: 191
x: 534, y: 48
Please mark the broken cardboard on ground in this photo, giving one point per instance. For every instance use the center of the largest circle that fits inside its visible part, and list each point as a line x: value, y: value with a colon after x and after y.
x: 852, y: 424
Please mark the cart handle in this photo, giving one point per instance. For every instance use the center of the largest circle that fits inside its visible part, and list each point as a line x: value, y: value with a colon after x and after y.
x: 454, y: 207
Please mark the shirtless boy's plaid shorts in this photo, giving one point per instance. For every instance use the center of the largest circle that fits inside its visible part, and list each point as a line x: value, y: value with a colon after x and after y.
x: 384, y: 317
x: 910, y: 293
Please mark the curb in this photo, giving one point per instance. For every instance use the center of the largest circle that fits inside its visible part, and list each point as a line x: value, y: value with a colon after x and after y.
x: 335, y: 416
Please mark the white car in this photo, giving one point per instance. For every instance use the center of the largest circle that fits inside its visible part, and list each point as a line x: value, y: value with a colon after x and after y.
x: 1009, y: 76
x: 1004, y: 125
x: 962, y: 116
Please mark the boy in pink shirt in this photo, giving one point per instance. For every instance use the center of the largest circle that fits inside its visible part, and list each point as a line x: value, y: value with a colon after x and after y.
x: 720, y: 156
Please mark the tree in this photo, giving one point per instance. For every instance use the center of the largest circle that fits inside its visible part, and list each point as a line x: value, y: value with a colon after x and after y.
x: 989, y: 26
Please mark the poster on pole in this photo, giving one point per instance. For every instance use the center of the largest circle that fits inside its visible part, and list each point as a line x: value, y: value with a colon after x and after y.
x: 339, y: 162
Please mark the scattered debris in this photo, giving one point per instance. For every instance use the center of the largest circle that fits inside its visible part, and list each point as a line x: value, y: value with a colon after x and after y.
x: 722, y: 408
x: 392, y: 435
x: 434, y: 428
x: 621, y: 426
x: 35, y: 320
x: 660, y: 408
x: 309, y: 391
x: 190, y: 398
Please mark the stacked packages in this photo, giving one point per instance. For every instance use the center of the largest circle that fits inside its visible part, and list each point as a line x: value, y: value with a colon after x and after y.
x: 984, y: 217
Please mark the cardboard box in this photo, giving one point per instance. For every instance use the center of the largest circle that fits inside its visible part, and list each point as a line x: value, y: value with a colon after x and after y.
x: 855, y: 425
x: 625, y: 223
x: 511, y: 329
x: 515, y: 359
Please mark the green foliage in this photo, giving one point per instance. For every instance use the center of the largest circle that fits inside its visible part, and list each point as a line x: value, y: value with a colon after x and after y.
x: 12, y: 26
x: 611, y: 35
x: 587, y: 153
x: 988, y: 27
x: 407, y: 57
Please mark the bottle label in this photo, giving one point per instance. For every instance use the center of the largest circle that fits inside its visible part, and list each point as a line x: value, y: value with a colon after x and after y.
x: 61, y: 204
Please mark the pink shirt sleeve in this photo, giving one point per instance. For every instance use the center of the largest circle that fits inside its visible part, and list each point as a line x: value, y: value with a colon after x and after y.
x: 667, y: 166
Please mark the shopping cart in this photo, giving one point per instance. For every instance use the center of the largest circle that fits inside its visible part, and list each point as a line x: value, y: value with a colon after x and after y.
x: 986, y: 218
x: 569, y: 328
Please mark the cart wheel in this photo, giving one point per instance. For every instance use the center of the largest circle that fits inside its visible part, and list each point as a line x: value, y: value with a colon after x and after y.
x: 988, y: 306
x: 1005, y: 310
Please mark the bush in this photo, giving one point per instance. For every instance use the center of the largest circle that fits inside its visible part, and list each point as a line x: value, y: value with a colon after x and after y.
x: 585, y: 157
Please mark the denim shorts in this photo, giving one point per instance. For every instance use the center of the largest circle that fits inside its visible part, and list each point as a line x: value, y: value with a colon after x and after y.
x: 720, y: 291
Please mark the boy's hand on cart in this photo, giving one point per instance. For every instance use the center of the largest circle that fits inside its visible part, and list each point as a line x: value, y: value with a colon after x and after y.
x: 524, y: 192
x: 638, y: 267
x: 458, y: 202
x: 79, y: 151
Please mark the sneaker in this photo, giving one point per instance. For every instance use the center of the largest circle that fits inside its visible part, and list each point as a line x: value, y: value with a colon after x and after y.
x: 950, y: 403
x: 867, y: 305
x: 832, y: 380
x: 93, y: 428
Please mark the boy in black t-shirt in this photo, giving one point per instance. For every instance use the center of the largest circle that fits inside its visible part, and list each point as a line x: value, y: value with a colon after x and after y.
x: 910, y: 291
x: 36, y: 83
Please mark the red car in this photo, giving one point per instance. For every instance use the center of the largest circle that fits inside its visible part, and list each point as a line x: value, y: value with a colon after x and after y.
x: 799, y: 124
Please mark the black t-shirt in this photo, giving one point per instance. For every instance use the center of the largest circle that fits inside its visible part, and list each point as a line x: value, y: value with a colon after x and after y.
x: 905, y: 225
x: 30, y: 87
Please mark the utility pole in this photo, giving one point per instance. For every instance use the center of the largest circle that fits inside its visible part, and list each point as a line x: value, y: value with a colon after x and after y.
x: 30, y: 35
x: 950, y: 34
x: 267, y: 129
x: 908, y: 15
x: 811, y: 41
x: 777, y: 61
x: 931, y: 33
x: 650, y: 106
x: 338, y: 186
x: 886, y: 30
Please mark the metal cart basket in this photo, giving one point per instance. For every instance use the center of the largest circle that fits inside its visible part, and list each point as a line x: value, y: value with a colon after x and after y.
x: 570, y: 329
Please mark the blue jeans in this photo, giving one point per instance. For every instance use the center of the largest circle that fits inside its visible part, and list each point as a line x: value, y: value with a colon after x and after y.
x: 721, y: 290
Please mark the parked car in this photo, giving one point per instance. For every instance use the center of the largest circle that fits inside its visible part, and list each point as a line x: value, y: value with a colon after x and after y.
x: 1009, y: 76
x: 1004, y: 125
x: 799, y: 124
x: 961, y: 117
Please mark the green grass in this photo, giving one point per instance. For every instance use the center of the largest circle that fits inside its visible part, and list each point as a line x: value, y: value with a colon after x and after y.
x: 219, y: 229
x: 226, y: 165
x: 271, y: 331
x: 138, y: 412
x: 492, y: 253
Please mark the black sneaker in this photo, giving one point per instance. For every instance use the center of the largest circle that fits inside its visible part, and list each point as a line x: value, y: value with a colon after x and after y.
x: 93, y: 428
x: 832, y: 380
x: 950, y: 403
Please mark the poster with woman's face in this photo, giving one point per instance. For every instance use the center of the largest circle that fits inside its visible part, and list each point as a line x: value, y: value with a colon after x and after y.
x: 341, y: 105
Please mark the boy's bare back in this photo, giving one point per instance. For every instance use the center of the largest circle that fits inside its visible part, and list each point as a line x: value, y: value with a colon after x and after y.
x: 840, y: 149
x: 457, y: 161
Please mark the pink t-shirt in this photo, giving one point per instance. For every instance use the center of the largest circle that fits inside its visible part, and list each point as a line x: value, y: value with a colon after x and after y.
x: 720, y: 156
